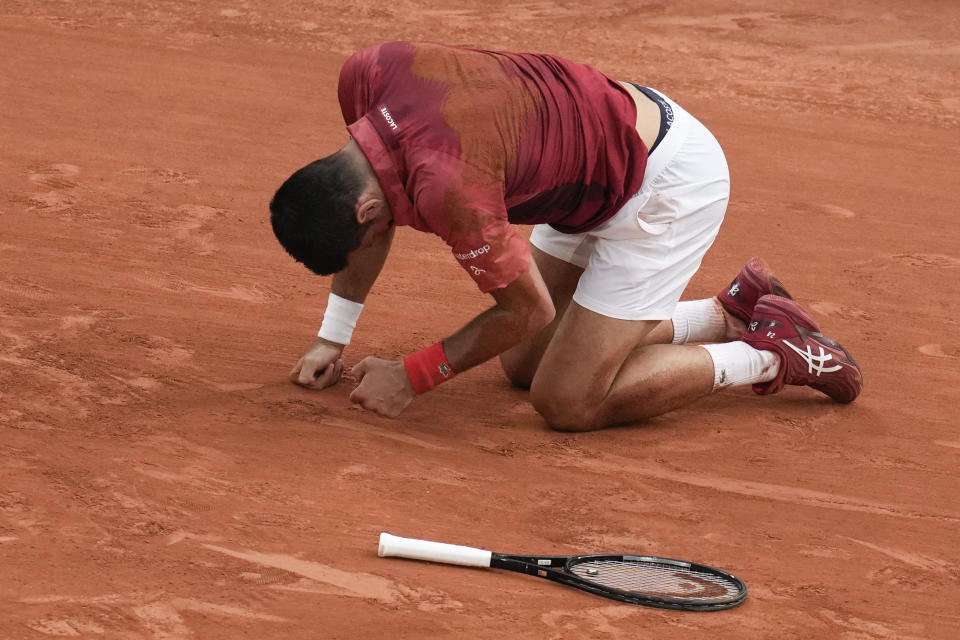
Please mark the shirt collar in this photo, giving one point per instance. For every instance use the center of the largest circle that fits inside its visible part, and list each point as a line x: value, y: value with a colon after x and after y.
x: 382, y: 162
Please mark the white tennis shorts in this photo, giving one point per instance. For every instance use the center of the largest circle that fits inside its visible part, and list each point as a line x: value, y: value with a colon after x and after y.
x: 637, y: 263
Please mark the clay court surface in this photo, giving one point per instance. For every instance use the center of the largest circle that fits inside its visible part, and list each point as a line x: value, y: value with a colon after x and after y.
x: 160, y: 479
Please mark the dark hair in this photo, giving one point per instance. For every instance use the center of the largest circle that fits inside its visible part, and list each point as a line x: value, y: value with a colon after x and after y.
x: 313, y: 213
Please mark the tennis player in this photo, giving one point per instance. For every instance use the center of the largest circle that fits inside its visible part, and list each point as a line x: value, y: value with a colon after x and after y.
x: 626, y: 191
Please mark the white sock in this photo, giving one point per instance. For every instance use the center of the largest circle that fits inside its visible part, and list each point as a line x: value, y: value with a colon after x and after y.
x: 699, y: 321
x: 737, y: 363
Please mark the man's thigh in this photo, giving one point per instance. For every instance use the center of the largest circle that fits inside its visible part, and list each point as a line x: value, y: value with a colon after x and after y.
x: 520, y: 363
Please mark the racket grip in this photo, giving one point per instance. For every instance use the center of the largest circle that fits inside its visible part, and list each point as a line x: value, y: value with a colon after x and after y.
x: 391, y: 545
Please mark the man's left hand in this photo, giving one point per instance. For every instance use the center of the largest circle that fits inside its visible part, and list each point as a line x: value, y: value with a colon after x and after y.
x: 383, y: 386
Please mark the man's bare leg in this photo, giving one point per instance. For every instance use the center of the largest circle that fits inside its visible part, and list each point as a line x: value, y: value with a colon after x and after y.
x: 594, y: 375
x: 521, y: 363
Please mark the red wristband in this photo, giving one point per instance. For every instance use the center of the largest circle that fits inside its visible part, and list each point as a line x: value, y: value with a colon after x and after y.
x: 427, y: 368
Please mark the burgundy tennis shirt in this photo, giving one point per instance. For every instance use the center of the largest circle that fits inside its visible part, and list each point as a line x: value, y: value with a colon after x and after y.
x: 465, y: 142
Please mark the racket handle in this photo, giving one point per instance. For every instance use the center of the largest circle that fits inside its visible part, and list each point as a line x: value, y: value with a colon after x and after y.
x: 391, y: 545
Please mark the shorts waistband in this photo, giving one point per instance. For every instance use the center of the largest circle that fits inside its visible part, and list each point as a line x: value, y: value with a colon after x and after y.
x: 673, y: 138
x: 666, y: 112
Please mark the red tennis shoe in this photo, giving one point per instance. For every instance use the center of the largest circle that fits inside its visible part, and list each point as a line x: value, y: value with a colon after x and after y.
x: 754, y: 281
x: 807, y: 357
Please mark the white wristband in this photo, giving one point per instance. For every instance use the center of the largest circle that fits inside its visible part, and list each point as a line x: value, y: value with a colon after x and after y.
x: 339, y: 319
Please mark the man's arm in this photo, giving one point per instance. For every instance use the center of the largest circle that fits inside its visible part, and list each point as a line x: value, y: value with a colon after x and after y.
x: 355, y: 282
x: 523, y: 308
x: 321, y: 366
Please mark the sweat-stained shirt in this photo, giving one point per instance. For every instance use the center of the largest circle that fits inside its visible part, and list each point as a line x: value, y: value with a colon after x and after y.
x: 465, y: 142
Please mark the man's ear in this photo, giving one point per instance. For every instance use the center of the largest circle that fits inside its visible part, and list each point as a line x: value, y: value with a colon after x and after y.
x: 367, y: 209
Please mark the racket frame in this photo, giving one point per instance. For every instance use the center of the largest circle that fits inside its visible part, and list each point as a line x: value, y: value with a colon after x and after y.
x: 558, y: 569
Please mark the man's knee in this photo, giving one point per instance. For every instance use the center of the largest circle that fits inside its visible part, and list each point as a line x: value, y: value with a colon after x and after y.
x: 562, y: 412
x: 518, y: 371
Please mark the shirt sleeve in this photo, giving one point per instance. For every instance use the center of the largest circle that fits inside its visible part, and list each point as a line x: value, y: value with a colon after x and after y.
x: 465, y: 206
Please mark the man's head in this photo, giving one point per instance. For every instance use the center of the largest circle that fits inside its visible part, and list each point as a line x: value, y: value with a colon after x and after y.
x: 327, y: 209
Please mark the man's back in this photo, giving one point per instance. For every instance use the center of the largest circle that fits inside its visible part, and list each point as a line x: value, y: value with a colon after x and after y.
x: 541, y: 139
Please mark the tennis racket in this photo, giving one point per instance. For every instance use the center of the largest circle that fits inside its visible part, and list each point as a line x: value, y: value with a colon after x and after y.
x: 644, y: 580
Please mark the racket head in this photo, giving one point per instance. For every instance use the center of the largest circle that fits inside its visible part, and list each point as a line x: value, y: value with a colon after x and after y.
x: 655, y: 581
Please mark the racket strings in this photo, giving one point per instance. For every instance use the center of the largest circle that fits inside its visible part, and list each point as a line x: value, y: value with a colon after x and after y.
x: 654, y: 579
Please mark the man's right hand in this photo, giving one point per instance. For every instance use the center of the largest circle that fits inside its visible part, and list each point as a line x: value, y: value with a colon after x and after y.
x: 320, y: 367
